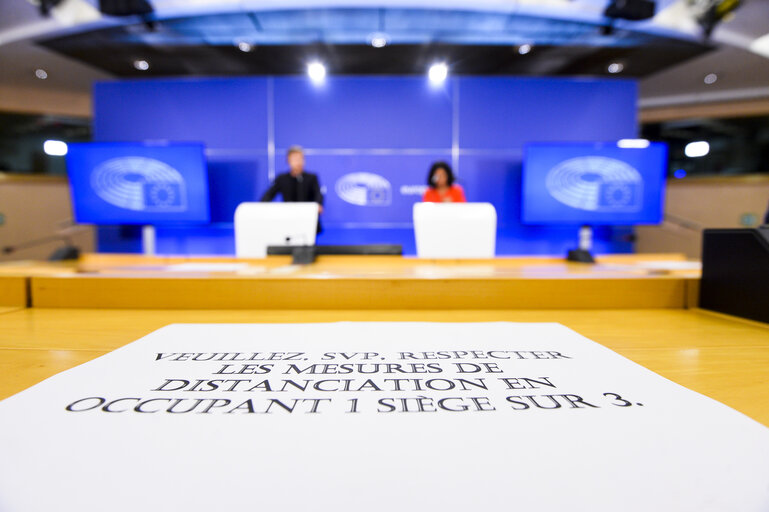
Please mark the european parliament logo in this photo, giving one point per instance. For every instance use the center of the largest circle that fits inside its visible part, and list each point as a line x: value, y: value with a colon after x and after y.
x: 364, y: 189
x: 140, y: 184
x: 596, y: 184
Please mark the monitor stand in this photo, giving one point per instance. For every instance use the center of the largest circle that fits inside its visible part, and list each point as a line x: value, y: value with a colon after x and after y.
x: 582, y: 253
x: 148, y: 240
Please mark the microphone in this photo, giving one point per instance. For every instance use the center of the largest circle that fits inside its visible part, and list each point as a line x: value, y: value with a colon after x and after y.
x: 68, y: 252
x: 682, y: 223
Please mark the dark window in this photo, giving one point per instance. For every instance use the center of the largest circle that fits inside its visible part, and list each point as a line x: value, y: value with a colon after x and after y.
x: 23, y: 136
x: 736, y: 145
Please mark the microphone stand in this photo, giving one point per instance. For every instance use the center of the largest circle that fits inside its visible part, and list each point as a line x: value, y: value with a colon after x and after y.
x: 68, y: 252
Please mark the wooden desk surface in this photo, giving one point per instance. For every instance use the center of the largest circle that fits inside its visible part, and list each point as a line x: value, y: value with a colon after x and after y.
x: 280, y: 267
x: 14, y: 291
x: 721, y: 357
x: 351, y: 282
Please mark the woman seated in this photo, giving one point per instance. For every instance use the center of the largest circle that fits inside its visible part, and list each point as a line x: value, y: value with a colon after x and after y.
x: 442, y: 188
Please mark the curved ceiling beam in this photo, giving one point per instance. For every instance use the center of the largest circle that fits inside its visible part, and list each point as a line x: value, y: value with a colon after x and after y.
x: 674, y: 17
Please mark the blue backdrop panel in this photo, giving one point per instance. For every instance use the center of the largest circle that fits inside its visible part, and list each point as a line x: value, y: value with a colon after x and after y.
x: 375, y: 191
x: 347, y: 112
x: 221, y: 113
x: 506, y: 113
x: 233, y: 180
x: 496, y: 180
x: 371, y: 140
x: 213, y: 239
x: 217, y: 239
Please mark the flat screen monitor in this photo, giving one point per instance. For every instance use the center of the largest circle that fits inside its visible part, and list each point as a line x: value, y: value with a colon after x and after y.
x: 611, y: 183
x: 138, y: 183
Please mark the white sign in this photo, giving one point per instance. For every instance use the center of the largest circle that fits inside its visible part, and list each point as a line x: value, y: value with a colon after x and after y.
x: 374, y: 417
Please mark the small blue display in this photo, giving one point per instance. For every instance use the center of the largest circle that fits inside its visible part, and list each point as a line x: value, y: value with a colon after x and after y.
x: 137, y: 183
x: 594, y: 183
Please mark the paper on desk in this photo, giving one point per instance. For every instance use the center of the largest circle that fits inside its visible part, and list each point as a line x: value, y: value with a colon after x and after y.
x: 206, y: 267
x: 376, y: 417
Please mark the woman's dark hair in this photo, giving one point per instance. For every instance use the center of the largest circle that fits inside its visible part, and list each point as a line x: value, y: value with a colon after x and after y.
x: 440, y: 165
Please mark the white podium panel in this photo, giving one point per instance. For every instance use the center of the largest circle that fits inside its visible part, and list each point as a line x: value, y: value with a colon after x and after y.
x: 455, y: 230
x: 259, y: 225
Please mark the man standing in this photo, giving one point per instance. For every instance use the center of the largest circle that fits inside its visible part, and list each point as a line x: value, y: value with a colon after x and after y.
x: 296, y: 185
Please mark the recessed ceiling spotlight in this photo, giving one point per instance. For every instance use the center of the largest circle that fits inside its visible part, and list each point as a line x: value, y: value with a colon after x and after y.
x: 141, y: 65
x: 760, y: 45
x: 41, y: 74
x: 710, y: 78
x: 438, y: 73
x: 524, y: 49
x: 379, y: 40
x: 615, y: 67
x: 697, y: 149
x: 633, y: 143
x: 55, y: 147
x: 244, y: 46
x: 316, y: 71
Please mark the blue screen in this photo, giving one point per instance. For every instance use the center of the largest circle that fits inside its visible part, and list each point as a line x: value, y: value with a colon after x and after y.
x: 593, y: 183
x: 136, y: 183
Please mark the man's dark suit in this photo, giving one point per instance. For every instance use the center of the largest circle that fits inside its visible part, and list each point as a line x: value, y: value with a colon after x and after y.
x: 304, y: 188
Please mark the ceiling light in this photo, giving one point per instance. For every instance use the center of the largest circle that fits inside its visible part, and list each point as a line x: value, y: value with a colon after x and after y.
x: 710, y: 78
x: 243, y: 46
x: 41, y: 74
x: 379, y: 40
x: 141, y: 65
x: 633, y: 143
x: 697, y: 149
x: 524, y: 49
x: 615, y: 67
x: 760, y: 45
x: 438, y: 73
x: 55, y: 148
x: 316, y: 72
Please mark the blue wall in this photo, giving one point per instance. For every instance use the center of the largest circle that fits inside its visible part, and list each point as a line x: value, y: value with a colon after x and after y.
x: 393, y: 127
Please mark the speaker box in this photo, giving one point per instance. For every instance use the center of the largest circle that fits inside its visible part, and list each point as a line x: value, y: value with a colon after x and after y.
x: 735, y: 272
x: 630, y: 9
x: 125, y: 7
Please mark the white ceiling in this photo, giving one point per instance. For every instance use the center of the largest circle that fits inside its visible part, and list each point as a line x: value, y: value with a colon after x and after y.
x: 741, y: 75
x: 742, y: 70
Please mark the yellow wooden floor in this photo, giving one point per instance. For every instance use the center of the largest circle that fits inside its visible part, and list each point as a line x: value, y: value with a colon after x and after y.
x: 721, y: 357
